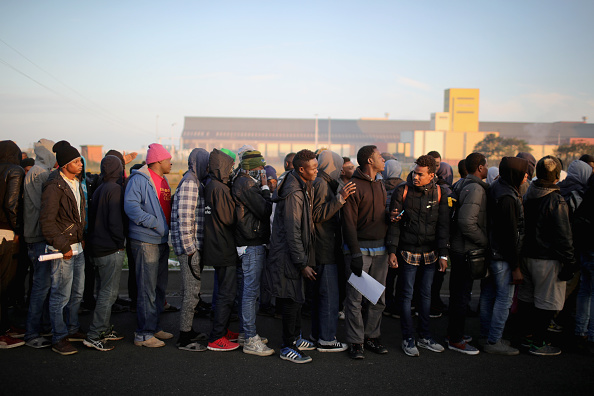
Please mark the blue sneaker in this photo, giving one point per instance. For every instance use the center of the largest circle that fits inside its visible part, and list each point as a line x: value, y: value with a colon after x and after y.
x: 294, y: 355
x: 304, y: 345
x: 408, y: 346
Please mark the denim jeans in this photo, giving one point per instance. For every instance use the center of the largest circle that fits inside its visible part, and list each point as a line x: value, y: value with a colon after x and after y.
x: 68, y: 283
x: 324, y: 311
x: 460, y: 289
x: 584, y: 316
x: 227, y: 289
x: 495, y: 301
x: 405, y: 287
x: 363, y: 319
x: 252, y: 264
x: 38, y: 314
x: 108, y: 270
x: 151, y: 278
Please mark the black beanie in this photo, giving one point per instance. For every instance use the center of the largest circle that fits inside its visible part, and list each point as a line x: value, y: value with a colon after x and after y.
x: 65, y: 153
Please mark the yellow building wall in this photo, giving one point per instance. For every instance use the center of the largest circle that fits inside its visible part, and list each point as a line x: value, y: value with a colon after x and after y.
x: 463, y: 106
x: 455, y: 146
x: 440, y: 121
x: 541, y: 150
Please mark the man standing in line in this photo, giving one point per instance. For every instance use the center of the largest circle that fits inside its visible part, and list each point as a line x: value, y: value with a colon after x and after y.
x: 347, y: 171
x: 147, y: 203
x: 288, y: 166
x: 470, y: 233
x: 62, y: 222
x: 416, y: 242
x: 364, y: 226
x: 292, y: 255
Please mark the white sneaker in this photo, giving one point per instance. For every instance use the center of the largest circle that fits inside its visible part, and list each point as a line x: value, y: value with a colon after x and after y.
x: 255, y: 346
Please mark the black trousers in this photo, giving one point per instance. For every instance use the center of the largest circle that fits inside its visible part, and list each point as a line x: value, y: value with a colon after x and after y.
x: 291, y: 312
x: 227, y: 289
x: 460, y: 289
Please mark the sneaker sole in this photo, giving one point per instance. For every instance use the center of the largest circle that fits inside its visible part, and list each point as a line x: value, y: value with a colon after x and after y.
x: 16, y: 344
x: 114, y: 339
x: 183, y: 348
x: 296, y: 361
x: 142, y: 344
x: 256, y: 353
x: 330, y: 350
x: 306, y: 348
x: 64, y: 353
x: 93, y: 346
x: 429, y: 348
x: 536, y: 353
x: 411, y: 354
x: 221, y: 349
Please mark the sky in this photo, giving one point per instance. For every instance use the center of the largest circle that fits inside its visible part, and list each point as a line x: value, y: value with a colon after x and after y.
x: 121, y: 73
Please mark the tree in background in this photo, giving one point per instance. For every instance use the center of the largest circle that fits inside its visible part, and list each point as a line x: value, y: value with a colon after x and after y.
x: 494, y: 147
x: 570, y: 152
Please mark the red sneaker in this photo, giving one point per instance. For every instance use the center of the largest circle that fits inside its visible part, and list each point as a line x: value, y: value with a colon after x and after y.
x: 232, y: 336
x: 222, y: 345
x: 7, y: 342
x: 15, y: 332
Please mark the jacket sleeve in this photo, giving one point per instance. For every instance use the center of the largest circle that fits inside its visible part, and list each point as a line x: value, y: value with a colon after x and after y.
x: 293, y: 225
x: 507, y: 218
x: 115, y: 216
x: 468, y: 217
x: 186, y: 212
x: 256, y: 201
x: 443, y: 225
x: 50, y: 205
x: 324, y: 210
x: 224, y: 206
x: 33, y: 187
x: 562, y: 240
x: 393, y: 234
x: 133, y: 201
x: 13, y: 199
x: 350, y: 214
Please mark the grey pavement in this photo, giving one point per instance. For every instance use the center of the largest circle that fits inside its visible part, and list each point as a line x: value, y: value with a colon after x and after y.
x: 129, y: 369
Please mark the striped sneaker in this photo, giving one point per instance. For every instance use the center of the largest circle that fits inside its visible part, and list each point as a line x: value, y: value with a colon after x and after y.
x: 294, y: 355
x: 304, y: 345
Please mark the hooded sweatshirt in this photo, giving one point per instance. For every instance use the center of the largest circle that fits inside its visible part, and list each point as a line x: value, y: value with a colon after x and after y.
x: 326, y: 206
x: 187, y: 211
x: 576, y: 180
x: 106, y: 214
x: 445, y: 173
x: 45, y: 160
x: 391, y: 175
x: 548, y: 231
x: 505, y: 211
x: 219, y: 213
x: 11, y: 187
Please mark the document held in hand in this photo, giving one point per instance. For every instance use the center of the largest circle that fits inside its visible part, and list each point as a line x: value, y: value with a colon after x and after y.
x: 367, y: 286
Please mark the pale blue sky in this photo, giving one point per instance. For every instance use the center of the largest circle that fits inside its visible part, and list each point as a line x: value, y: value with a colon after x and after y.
x: 108, y: 68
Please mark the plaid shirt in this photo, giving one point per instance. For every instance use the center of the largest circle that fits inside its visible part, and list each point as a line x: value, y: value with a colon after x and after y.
x: 415, y: 258
x: 187, y: 219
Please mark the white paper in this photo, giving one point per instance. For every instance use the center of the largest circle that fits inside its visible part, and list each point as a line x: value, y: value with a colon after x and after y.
x: 367, y: 286
x: 54, y: 256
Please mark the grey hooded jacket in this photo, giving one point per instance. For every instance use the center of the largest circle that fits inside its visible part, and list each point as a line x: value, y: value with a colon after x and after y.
x: 470, y: 231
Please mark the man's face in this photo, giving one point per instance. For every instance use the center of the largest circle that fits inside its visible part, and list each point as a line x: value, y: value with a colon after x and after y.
x: 437, y: 163
x: 289, y: 163
x: 525, y: 178
x: 348, y: 169
x: 421, y: 176
x: 166, y: 165
x: 484, y: 169
x: 377, y: 162
x: 272, y: 183
x: 75, y: 167
x: 310, y: 170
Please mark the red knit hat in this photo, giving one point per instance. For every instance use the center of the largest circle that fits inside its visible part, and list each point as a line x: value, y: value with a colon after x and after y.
x: 156, y: 153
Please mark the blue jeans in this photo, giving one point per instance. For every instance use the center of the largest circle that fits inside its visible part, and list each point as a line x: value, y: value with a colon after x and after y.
x: 68, y: 283
x: 107, y: 274
x: 151, y: 277
x: 252, y: 264
x: 584, y: 316
x: 405, y: 288
x: 495, y: 301
x: 38, y: 314
x: 324, y: 311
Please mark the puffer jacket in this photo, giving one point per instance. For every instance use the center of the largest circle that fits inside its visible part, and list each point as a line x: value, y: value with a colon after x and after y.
x: 425, y: 224
x: 470, y: 230
x: 326, y: 206
x: 548, y: 231
x: 60, y: 221
x: 253, y: 207
x: 219, y: 213
x: 11, y: 187
x: 293, y: 238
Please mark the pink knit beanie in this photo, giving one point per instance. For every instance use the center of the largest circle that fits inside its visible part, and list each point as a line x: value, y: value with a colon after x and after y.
x: 156, y: 153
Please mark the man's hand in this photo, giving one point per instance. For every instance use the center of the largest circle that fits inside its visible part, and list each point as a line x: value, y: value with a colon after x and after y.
x: 517, y: 276
x: 393, y: 260
x: 68, y: 255
x: 357, y: 265
x: 395, y: 215
x: 348, y: 189
x: 309, y: 273
x: 443, y: 264
x: 263, y: 180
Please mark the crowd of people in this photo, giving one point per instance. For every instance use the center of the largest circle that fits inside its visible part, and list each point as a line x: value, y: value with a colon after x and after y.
x: 278, y: 243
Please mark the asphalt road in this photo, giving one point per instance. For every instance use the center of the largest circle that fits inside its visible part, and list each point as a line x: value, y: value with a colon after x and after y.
x: 135, y: 370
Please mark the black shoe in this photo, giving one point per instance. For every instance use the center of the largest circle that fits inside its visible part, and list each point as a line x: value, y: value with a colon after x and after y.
x: 356, y: 351
x: 374, y: 345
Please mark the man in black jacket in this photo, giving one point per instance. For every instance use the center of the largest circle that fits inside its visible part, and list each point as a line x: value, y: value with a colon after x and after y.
x: 548, y: 249
x: 62, y: 222
x: 219, y: 246
x: 364, y: 226
x: 327, y: 202
x: 11, y: 227
x: 107, y: 237
x: 253, y: 207
x: 506, y: 232
x: 292, y: 256
x: 416, y: 242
